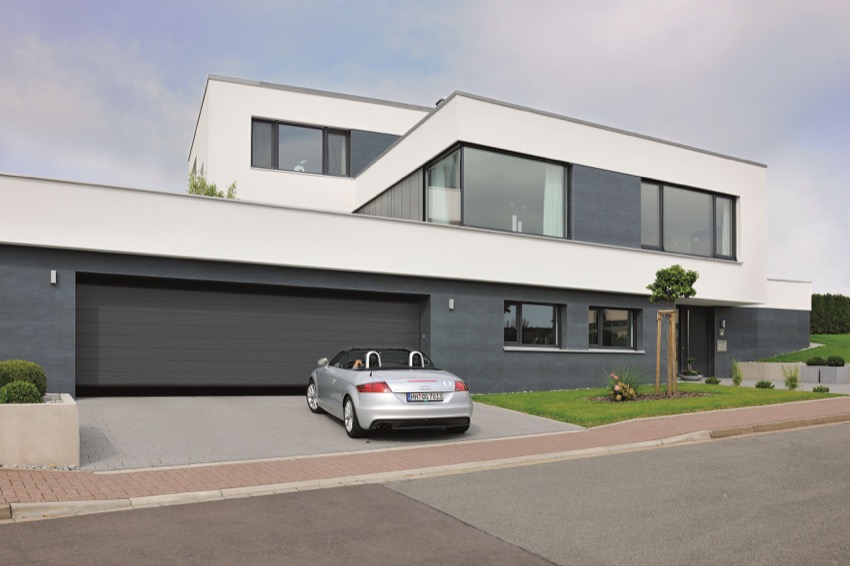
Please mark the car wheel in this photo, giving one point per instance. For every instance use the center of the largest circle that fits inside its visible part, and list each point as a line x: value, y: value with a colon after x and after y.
x: 313, y: 397
x: 352, y: 426
x: 457, y: 429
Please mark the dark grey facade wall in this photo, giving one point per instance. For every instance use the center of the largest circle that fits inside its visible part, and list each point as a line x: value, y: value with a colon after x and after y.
x: 753, y: 334
x: 37, y: 319
x: 605, y: 207
x: 366, y: 146
x: 469, y: 340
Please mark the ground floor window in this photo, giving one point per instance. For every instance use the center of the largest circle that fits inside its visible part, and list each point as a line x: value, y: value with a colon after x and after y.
x: 529, y: 324
x: 611, y: 328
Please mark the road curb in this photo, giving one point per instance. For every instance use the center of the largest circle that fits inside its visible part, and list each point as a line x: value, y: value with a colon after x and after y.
x: 779, y: 425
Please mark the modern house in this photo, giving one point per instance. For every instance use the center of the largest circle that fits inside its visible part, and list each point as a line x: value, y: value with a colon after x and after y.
x: 512, y: 245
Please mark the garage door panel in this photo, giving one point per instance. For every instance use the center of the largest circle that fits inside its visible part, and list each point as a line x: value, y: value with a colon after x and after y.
x: 144, y: 335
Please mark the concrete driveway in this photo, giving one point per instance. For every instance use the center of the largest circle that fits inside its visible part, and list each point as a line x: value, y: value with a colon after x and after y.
x: 118, y: 433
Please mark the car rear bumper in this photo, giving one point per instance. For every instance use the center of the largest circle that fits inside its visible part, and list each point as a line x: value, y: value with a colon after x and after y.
x: 392, y: 411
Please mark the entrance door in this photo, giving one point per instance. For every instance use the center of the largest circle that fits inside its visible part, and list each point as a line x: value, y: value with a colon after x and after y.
x: 695, y: 339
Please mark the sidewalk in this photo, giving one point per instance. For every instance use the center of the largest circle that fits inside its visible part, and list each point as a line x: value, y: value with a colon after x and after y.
x: 36, y: 493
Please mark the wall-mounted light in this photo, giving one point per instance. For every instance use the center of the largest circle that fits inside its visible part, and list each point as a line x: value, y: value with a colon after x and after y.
x: 723, y: 323
x: 451, y: 304
x: 54, y: 277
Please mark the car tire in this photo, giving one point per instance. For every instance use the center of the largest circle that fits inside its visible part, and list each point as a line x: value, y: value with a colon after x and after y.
x: 313, y: 398
x: 349, y: 419
x: 457, y: 429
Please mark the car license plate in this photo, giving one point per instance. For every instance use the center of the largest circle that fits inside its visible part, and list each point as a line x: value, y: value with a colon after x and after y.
x: 424, y: 397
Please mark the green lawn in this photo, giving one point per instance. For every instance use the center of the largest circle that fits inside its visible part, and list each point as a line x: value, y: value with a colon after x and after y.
x: 833, y: 345
x: 574, y: 406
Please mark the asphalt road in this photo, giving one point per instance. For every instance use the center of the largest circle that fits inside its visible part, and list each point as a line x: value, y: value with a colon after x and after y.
x: 775, y: 499
x: 772, y: 499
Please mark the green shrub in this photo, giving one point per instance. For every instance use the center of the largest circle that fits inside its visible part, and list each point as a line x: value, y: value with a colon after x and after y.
x: 737, y: 374
x: 816, y: 361
x: 712, y: 380
x: 820, y: 389
x: 23, y: 370
x: 792, y: 377
x: 764, y: 384
x: 19, y: 392
x: 835, y: 361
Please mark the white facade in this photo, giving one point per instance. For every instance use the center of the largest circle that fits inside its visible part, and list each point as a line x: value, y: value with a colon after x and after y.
x: 222, y: 146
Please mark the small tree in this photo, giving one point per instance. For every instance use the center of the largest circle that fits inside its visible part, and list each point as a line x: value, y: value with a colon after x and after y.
x: 670, y: 285
x: 198, y: 185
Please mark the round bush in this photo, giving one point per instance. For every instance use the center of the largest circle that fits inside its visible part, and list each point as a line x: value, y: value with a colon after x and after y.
x: 835, y: 361
x: 816, y: 361
x: 19, y: 392
x: 712, y: 380
x: 764, y: 384
x: 23, y: 370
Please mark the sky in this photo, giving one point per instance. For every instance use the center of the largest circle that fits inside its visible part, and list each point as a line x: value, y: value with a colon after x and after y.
x: 109, y: 91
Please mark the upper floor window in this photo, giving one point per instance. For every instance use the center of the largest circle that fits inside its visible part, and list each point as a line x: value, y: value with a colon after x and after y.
x: 490, y: 189
x: 529, y: 324
x: 304, y: 149
x: 675, y: 219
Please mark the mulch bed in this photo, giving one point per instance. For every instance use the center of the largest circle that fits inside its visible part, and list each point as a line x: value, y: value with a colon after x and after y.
x: 653, y: 397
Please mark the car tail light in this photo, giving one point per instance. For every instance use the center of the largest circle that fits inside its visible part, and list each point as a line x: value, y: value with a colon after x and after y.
x: 461, y: 386
x: 374, y: 387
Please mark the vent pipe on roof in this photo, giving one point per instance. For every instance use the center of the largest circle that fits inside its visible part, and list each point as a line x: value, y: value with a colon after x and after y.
x: 443, y: 99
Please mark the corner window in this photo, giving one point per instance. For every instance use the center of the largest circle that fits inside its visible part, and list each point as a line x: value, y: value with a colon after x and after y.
x: 443, y: 190
x: 686, y: 221
x: 611, y: 328
x: 528, y: 324
x: 490, y: 189
x: 302, y: 149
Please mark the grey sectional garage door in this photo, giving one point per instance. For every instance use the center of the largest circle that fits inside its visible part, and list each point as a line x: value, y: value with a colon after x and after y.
x: 134, y: 334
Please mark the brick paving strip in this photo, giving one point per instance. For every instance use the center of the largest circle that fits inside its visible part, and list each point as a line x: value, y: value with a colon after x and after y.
x: 27, y: 493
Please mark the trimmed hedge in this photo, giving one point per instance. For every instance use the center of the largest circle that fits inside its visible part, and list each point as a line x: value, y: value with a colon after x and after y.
x: 23, y: 370
x: 19, y: 392
x: 830, y: 314
x: 816, y: 361
x: 835, y: 361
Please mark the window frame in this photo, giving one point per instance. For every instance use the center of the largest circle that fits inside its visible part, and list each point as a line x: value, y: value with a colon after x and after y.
x: 715, y: 253
x: 325, y: 150
x: 633, y: 317
x: 557, y: 311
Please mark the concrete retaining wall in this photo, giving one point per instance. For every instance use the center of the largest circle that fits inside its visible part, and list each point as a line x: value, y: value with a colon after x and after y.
x: 769, y: 371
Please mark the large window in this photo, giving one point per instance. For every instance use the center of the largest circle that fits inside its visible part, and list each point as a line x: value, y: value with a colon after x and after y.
x: 529, y: 324
x: 611, y: 328
x: 489, y: 189
x: 303, y: 149
x: 675, y: 219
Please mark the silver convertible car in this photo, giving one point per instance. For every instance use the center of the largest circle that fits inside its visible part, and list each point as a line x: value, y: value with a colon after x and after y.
x: 380, y: 389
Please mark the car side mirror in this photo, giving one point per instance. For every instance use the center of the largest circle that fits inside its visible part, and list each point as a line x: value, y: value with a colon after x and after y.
x: 323, y: 362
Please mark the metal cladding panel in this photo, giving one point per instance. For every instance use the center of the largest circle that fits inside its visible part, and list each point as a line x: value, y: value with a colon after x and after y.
x: 140, y: 335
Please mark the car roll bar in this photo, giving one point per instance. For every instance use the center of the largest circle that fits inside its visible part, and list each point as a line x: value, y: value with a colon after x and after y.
x: 412, y: 358
x: 376, y: 358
